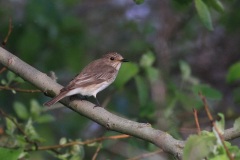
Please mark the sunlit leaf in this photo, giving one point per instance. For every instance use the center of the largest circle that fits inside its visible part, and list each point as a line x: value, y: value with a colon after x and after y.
x: 237, y: 124
x: 220, y: 126
x: 152, y: 73
x: 204, y: 14
x: 21, y: 139
x: 13, y: 91
x: 45, y: 118
x: 10, y: 76
x: 29, y: 129
x: 20, y: 110
x: 219, y: 157
x: 185, y: 70
x: 35, y: 108
x: 10, y: 154
x: 221, y: 123
x: 233, y: 73
x: 63, y: 140
x: 233, y: 150
x: 147, y: 59
x: 24, y: 155
x: 10, y: 126
x: 197, y: 147
x: 4, y: 82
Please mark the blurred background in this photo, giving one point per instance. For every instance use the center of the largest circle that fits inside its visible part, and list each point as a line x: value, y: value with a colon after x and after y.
x: 172, y: 57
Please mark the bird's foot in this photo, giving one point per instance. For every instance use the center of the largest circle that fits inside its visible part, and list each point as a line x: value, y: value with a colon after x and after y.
x: 73, y: 98
x: 84, y: 98
x: 97, y: 106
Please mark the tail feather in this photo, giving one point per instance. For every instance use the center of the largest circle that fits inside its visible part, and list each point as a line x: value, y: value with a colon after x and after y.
x: 55, y: 99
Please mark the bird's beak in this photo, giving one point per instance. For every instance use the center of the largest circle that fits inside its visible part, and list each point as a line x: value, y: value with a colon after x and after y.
x: 124, y: 60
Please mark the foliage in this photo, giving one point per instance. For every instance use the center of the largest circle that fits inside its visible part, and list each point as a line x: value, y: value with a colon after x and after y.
x: 209, y: 145
x: 160, y: 85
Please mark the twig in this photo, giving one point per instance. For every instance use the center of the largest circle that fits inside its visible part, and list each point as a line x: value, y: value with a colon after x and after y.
x: 196, y: 120
x: 9, y: 32
x: 5, y: 41
x: 101, y: 116
x: 79, y: 143
x: 187, y: 130
x: 146, y: 155
x: 214, y: 125
x: 20, y: 90
x: 96, y: 153
x: 20, y: 129
x: 3, y: 69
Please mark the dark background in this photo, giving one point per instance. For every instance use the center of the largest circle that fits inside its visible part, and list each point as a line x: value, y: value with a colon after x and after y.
x: 64, y: 36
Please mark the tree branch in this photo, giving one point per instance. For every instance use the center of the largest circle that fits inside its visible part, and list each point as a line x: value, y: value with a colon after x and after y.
x: 85, y: 108
x: 112, y: 122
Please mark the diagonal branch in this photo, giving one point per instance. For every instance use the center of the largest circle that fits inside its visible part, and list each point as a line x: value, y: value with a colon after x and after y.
x: 112, y: 122
x: 78, y: 143
x: 20, y: 129
x: 85, y: 108
x: 19, y: 90
x: 215, y: 126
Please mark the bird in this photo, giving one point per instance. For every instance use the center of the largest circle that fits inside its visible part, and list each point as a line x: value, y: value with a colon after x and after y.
x: 94, y: 78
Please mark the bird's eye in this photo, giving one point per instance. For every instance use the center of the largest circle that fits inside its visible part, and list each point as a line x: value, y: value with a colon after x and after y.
x: 112, y: 58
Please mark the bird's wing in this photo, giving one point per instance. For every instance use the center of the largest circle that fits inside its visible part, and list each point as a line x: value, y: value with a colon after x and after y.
x: 93, y: 75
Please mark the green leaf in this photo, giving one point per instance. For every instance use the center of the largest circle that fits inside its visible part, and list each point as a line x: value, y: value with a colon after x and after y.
x: 29, y: 129
x: 138, y: 1
x: 24, y: 155
x: 35, y: 109
x: 10, y: 154
x: 152, y: 73
x: 207, y: 133
x: 19, y: 80
x: 217, y: 5
x: 207, y: 91
x: 236, y: 95
x: 221, y: 123
x: 147, y: 59
x: 10, y: 76
x: 233, y: 150
x: 63, y: 140
x: 45, y: 118
x: 220, y: 126
x: 220, y: 157
x: 21, y: 140
x: 4, y: 82
x: 236, y: 124
x: 198, y: 147
x: 20, y: 110
x: 10, y: 126
x: 185, y: 70
x: 142, y: 89
x: 126, y: 72
x: 204, y: 14
x: 233, y: 73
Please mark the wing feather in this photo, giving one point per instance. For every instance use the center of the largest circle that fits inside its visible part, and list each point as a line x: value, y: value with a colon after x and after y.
x: 92, y: 74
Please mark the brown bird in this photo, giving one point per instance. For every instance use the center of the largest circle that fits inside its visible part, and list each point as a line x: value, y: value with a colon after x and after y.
x: 94, y: 78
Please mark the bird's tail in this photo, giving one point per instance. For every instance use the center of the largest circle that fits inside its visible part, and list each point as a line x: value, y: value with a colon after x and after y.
x: 60, y: 96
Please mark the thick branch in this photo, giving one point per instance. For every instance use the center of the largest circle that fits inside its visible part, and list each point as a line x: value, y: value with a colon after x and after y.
x: 85, y: 108
x: 98, y: 114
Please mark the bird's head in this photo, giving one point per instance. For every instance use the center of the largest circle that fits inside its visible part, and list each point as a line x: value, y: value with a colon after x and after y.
x: 114, y: 59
